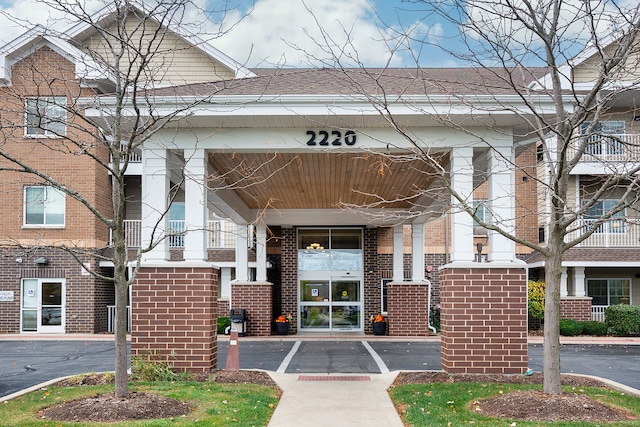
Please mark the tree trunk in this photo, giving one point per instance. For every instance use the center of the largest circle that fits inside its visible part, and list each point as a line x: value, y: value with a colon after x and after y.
x: 551, y: 360
x: 122, y: 351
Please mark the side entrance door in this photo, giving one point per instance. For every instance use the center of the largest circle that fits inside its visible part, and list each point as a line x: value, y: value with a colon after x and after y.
x: 43, y: 308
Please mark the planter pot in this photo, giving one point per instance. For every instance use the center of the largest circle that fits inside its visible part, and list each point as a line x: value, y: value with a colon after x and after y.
x: 379, y: 328
x: 281, y: 328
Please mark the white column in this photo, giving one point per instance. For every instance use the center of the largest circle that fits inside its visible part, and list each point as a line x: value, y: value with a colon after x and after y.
x: 155, y: 191
x: 461, y: 222
x: 195, y: 196
x: 417, y: 252
x: 242, y: 253
x: 579, y: 282
x: 501, y: 203
x: 261, y: 253
x: 398, y: 252
x: 563, y: 283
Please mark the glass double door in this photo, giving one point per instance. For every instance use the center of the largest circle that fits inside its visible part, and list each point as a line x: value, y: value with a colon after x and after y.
x: 333, y: 303
x: 42, y: 306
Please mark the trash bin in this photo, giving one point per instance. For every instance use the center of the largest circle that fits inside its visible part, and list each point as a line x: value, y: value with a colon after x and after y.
x: 238, y: 317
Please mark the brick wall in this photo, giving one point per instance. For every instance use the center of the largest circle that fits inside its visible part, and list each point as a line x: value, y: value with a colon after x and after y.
x: 289, y: 268
x: 372, y: 278
x: 46, y: 73
x: 174, y: 317
x: 576, y: 308
x: 255, y: 298
x: 86, y: 297
x: 407, y: 309
x: 484, y: 320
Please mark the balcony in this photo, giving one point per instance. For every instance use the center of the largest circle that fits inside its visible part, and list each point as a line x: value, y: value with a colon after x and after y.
x: 612, y: 234
x: 618, y: 148
x: 220, y: 234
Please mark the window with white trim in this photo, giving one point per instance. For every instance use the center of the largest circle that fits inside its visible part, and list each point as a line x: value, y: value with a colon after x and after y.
x: 43, y: 206
x: 45, y: 117
x: 609, y: 291
x: 615, y: 225
x: 383, y: 294
x: 598, y: 143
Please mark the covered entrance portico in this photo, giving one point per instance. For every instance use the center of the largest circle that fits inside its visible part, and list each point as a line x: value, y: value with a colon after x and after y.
x: 281, y: 167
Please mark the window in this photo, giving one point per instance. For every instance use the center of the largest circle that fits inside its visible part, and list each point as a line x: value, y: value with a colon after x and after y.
x: 598, y: 144
x: 616, y: 225
x: 43, y: 206
x: 481, y: 210
x: 384, y: 294
x: 45, y: 116
x: 609, y: 291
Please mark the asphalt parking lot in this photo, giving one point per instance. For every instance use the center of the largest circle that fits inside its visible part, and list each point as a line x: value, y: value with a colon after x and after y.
x: 27, y: 363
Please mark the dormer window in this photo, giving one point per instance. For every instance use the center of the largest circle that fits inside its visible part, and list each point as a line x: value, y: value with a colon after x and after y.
x: 45, y: 117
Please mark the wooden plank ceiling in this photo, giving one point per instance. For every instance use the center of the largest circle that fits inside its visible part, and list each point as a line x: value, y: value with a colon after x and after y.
x: 320, y: 180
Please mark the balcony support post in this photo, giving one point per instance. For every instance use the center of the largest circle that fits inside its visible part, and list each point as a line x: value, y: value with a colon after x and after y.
x: 461, y: 221
x: 155, y: 192
x: 579, y: 282
x: 195, y: 189
x: 501, y: 203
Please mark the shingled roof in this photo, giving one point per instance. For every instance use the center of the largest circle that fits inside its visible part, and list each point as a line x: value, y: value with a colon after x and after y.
x: 371, y: 81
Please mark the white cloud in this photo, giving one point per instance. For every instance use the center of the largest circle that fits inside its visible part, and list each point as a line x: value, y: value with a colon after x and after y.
x: 297, y: 33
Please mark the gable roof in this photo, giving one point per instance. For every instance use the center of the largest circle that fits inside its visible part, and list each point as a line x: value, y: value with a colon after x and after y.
x: 37, y: 37
x: 107, y: 13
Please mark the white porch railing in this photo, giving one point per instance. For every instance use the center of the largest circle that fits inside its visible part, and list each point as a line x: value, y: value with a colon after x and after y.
x: 135, y: 156
x: 619, y: 148
x: 615, y: 233
x: 111, y: 318
x: 221, y: 234
x: 597, y: 312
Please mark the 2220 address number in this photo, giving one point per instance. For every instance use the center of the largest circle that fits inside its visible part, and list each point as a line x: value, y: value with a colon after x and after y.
x: 333, y: 137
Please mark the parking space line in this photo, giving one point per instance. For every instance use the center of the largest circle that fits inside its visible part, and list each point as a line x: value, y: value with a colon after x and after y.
x: 285, y: 363
x: 381, y: 365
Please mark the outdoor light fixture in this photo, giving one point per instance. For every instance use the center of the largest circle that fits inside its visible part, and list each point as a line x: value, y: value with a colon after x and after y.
x: 479, y: 248
x: 41, y: 261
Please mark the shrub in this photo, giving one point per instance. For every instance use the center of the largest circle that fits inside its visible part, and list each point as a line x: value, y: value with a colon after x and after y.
x: 623, y: 319
x: 593, y: 327
x: 570, y: 327
x: 434, y: 317
x: 535, y: 295
x: 151, y: 369
x: 223, y: 323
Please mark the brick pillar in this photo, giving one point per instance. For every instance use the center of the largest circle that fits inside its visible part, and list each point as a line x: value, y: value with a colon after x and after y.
x: 174, y: 317
x: 289, y: 285
x: 408, y: 309
x: 484, y: 320
x: 255, y: 297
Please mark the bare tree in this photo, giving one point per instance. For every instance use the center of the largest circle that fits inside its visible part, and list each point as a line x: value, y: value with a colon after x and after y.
x: 111, y: 62
x: 527, y: 49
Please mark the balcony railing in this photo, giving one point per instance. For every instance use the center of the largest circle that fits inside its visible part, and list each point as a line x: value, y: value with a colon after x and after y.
x: 135, y: 156
x: 614, y: 233
x: 220, y: 234
x: 111, y: 318
x: 597, y: 312
x: 618, y: 148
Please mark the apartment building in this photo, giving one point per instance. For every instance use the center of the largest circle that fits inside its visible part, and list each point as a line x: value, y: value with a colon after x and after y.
x: 310, y: 207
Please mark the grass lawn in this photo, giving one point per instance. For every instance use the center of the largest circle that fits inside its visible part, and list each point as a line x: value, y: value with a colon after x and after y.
x: 450, y: 404
x: 215, y: 404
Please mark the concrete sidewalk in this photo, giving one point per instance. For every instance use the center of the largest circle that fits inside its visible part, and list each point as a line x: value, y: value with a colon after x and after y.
x: 334, y: 400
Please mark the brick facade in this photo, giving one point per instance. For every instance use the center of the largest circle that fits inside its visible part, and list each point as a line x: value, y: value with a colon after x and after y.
x: 407, y: 309
x: 86, y: 296
x: 576, y: 308
x: 255, y: 298
x: 484, y: 320
x: 174, y: 317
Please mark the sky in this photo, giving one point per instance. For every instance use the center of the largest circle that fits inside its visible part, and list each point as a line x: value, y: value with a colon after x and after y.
x: 301, y: 33
x: 270, y: 33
